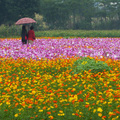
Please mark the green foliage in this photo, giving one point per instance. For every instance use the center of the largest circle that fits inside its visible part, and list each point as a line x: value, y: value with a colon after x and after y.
x: 86, y: 64
x: 14, y: 31
x: 10, y: 31
x: 56, y: 13
x: 13, y: 10
x: 40, y: 24
x: 64, y: 14
x: 78, y: 33
x: 3, y: 30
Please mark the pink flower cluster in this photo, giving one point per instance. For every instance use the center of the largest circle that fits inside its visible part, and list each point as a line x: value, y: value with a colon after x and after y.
x: 51, y: 48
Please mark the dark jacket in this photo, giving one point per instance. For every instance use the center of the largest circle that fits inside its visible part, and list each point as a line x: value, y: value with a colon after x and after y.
x: 23, y: 34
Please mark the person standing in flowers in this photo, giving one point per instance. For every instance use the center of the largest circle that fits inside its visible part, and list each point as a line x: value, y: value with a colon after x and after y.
x: 24, y: 35
x: 31, y: 35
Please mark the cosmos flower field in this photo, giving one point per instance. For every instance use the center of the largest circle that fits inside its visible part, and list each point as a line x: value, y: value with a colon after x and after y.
x: 57, y: 79
x: 53, y: 48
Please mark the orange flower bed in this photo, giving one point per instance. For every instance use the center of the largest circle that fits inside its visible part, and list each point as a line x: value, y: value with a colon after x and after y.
x: 47, y: 89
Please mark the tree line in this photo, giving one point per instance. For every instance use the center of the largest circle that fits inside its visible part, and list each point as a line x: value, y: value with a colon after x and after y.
x: 64, y: 14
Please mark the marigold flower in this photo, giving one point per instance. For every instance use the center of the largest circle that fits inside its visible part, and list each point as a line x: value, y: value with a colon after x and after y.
x: 8, y: 103
x: 51, y: 117
x: 3, y: 93
x: 16, y: 104
x: 103, y: 116
x: 80, y: 100
x: 99, y: 114
x: 31, y: 117
x: 55, y: 105
x: 44, y: 107
x: 23, y: 104
x: 99, y: 109
x: 40, y: 110
x: 94, y: 110
x: 5, y: 110
x: 48, y: 113
x: 16, y: 115
x: 33, y: 92
x: 54, y: 101
x: 29, y: 106
x: 87, y: 106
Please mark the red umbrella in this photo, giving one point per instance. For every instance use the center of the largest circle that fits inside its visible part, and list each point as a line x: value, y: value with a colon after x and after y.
x: 25, y: 20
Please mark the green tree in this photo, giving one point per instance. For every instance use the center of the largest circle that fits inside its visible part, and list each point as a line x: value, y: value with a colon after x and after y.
x: 81, y: 12
x: 55, y: 13
x: 3, y: 13
x: 16, y: 9
x: 64, y: 13
x: 109, y: 11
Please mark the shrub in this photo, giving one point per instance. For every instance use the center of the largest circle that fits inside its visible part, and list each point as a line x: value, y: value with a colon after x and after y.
x: 14, y: 30
x: 78, y: 33
x: 3, y: 30
x: 40, y: 24
x: 86, y: 63
x: 10, y: 31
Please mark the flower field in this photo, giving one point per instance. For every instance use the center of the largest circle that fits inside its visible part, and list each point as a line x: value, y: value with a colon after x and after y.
x: 60, y: 79
x: 53, y: 48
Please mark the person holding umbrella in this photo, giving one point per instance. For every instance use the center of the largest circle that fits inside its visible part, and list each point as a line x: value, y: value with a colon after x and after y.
x: 31, y: 35
x: 25, y: 21
x: 24, y: 35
